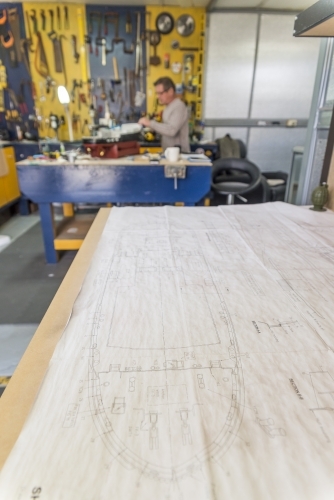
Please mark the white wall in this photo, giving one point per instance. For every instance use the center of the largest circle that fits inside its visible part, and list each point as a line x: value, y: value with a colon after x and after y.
x: 256, y: 69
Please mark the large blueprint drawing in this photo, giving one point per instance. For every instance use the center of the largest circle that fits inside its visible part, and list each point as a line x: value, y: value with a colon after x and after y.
x: 197, y: 364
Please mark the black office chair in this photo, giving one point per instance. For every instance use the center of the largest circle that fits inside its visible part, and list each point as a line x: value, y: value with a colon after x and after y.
x: 235, y: 177
x: 277, y: 182
x: 242, y: 148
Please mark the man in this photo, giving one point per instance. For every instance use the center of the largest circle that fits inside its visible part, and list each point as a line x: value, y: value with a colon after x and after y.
x: 174, y: 130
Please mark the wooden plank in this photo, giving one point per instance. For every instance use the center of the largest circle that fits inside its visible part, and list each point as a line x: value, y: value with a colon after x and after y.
x: 72, y: 231
x: 68, y: 244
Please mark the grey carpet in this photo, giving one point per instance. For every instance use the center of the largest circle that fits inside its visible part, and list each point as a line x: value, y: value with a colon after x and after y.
x: 27, y: 283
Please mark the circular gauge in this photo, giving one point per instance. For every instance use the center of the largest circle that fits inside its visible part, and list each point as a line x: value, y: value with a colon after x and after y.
x: 185, y: 25
x: 164, y: 23
x: 155, y: 38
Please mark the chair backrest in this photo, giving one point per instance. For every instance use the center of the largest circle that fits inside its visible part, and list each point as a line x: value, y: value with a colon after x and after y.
x: 242, y: 148
x: 228, y: 147
x: 231, y: 148
x: 238, y: 170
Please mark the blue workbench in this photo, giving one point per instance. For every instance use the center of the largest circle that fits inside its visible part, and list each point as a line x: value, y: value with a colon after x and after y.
x: 106, y: 181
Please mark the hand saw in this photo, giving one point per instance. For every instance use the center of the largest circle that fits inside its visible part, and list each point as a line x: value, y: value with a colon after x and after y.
x: 41, y: 62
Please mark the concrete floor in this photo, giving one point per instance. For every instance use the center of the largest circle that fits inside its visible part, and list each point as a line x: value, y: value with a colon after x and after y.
x: 16, y: 226
x: 14, y: 339
x: 27, y: 286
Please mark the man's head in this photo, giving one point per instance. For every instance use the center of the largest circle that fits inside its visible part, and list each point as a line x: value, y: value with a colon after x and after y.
x: 165, y: 90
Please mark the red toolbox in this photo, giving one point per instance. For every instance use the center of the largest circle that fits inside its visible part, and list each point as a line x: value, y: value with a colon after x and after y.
x: 112, y: 149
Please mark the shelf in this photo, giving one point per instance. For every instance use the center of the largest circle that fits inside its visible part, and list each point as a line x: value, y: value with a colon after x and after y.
x: 72, y: 232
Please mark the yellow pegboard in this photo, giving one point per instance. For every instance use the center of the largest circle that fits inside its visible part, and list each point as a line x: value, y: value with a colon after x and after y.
x: 45, y: 103
x: 195, y: 40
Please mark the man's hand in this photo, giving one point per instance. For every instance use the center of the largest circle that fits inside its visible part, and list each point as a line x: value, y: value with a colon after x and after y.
x: 145, y: 122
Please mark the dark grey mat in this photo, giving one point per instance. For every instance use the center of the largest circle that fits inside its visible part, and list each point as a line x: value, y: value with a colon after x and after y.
x: 27, y: 283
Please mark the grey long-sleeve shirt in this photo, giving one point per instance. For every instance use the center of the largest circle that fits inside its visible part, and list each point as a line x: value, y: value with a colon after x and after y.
x: 174, y: 130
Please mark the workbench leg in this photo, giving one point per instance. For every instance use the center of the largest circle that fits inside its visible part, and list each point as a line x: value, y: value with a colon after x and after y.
x: 46, y: 214
x: 68, y: 210
x: 24, y: 206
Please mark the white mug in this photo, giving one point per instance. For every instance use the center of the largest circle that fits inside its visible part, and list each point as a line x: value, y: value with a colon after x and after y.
x: 172, y: 154
x: 71, y: 155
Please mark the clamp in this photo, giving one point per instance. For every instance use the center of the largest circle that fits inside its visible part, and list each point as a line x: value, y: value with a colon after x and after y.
x: 3, y: 16
x: 43, y: 19
x: 7, y: 40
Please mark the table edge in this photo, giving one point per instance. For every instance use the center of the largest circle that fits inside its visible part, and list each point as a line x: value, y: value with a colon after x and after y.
x: 23, y: 388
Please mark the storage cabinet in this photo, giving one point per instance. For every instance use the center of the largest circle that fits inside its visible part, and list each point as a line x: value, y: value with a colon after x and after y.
x: 3, y: 196
x: 9, y: 185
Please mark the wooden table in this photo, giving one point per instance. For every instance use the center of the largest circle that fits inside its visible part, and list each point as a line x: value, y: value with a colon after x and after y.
x: 222, y: 335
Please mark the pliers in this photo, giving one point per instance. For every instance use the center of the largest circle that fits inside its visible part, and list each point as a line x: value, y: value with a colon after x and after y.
x: 21, y: 100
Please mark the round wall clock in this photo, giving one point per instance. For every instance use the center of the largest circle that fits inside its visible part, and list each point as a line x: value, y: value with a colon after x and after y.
x: 185, y: 25
x: 164, y: 23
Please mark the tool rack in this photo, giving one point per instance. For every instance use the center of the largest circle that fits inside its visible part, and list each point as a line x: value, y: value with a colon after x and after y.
x: 101, y: 53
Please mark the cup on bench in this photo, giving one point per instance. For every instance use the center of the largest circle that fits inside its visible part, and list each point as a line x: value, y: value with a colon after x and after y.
x: 172, y: 154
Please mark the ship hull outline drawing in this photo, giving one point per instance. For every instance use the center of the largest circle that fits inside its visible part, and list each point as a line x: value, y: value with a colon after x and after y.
x: 196, y: 357
x: 181, y: 390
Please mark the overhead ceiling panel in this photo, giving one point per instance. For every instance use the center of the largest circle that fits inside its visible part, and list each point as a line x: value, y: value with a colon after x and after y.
x: 296, y: 5
x: 236, y: 4
x: 111, y: 3
x: 200, y: 3
x: 174, y: 3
